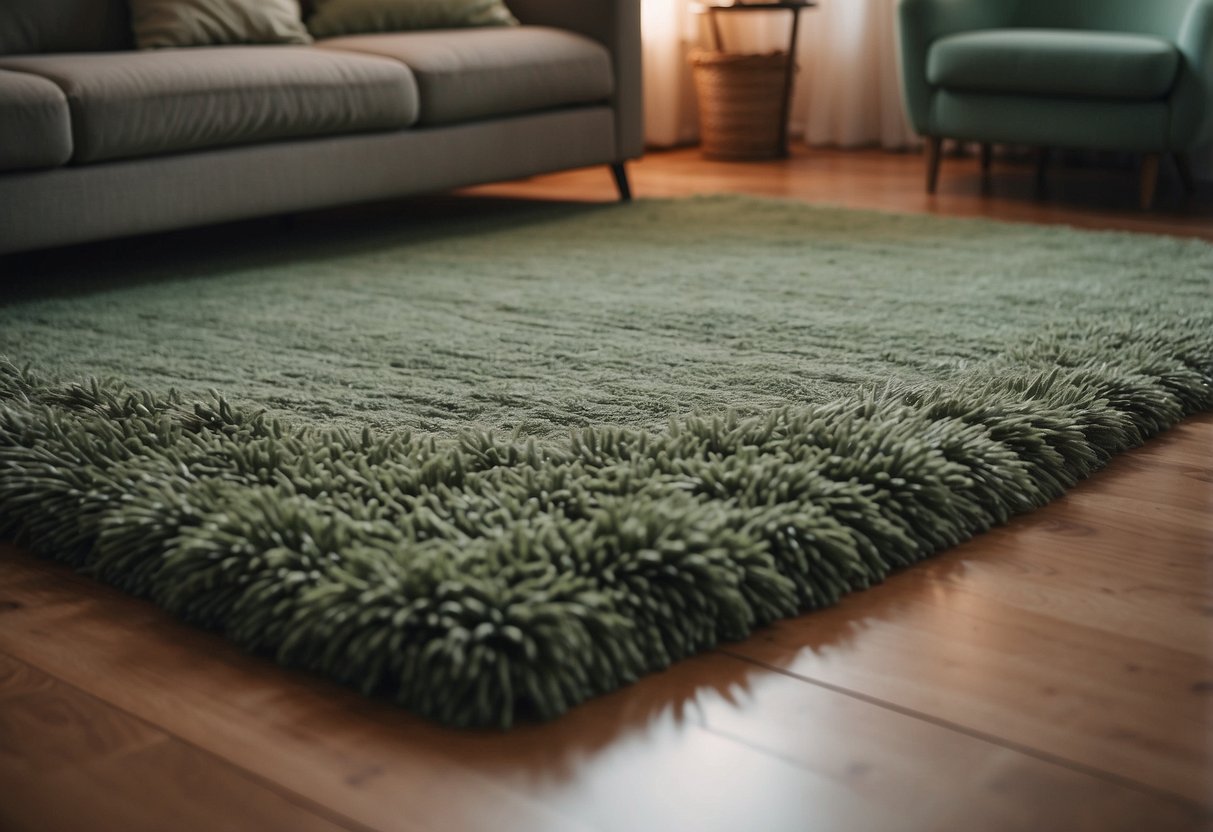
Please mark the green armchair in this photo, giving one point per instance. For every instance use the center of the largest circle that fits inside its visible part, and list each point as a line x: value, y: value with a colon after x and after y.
x: 1124, y: 75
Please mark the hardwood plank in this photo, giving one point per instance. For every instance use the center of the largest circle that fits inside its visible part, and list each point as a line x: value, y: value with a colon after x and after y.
x: 712, y: 743
x: 200, y: 688
x: 941, y: 779
x: 1094, y: 648
x: 874, y: 179
x: 1108, y: 704
x: 43, y: 729
x: 1149, y: 518
x: 69, y: 761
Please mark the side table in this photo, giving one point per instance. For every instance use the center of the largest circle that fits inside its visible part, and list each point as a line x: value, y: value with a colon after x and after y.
x: 715, y: 7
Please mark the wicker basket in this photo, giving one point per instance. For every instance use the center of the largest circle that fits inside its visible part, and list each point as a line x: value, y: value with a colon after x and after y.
x: 740, y: 103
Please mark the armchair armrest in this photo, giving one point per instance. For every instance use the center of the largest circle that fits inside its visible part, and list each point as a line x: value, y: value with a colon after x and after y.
x: 922, y: 22
x: 616, y: 25
x: 1192, y: 101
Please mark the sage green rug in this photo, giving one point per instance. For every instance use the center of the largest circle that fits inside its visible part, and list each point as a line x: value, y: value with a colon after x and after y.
x: 493, y: 466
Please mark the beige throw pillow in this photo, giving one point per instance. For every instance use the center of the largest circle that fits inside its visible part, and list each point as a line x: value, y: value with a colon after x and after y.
x: 167, y: 23
x: 352, y: 17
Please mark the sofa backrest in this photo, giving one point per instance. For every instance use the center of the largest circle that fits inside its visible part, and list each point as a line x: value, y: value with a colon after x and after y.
x: 1147, y: 17
x: 32, y: 26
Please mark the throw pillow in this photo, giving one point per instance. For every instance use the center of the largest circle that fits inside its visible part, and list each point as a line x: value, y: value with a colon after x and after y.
x: 168, y: 23
x: 352, y: 17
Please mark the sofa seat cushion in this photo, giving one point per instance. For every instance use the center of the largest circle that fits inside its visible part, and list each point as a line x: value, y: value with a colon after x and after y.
x: 1055, y: 62
x: 128, y: 104
x: 480, y: 73
x: 35, y: 126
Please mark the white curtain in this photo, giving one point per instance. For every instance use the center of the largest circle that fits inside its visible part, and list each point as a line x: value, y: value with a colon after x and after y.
x: 669, y: 33
x: 847, y: 92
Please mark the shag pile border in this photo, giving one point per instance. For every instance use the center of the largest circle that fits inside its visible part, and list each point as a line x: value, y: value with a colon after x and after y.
x: 486, y: 579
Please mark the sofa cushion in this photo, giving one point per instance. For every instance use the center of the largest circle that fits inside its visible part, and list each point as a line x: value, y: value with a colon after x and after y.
x: 35, y: 127
x: 141, y: 103
x: 1055, y: 62
x: 479, y: 73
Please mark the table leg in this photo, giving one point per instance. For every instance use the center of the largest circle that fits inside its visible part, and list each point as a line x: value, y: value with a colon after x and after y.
x: 717, y: 41
x: 788, y: 79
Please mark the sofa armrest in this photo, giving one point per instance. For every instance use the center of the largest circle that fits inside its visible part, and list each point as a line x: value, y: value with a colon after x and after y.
x: 922, y: 22
x: 1192, y: 101
x: 616, y: 25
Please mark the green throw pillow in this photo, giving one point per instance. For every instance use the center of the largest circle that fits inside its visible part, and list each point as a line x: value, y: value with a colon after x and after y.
x: 167, y: 23
x: 351, y: 17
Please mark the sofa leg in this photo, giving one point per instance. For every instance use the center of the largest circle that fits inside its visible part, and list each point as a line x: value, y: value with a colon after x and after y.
x: 620, y: 172
x: 1184, y: 164
x: 1149, y: 178
x: 934, y: 157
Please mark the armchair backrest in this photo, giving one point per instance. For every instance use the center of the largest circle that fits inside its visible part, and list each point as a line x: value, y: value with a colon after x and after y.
x: 1163, y: 18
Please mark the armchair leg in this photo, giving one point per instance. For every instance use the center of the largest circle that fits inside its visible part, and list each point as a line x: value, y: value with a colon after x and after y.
x: 1042, y: 167
x: 620, y: 172
x: 1184, y: 164
x: 1149, y: 178
x: 934, y: 156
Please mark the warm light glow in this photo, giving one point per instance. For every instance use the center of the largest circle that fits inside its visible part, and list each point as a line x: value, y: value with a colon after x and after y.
x: 664, y: 37
x: 660, y: 20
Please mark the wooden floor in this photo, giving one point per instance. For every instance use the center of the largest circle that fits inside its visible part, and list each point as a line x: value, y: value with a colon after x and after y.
x: 1054, y: 674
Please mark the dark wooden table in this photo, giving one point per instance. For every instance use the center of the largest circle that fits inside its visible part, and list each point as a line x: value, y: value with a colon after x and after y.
x: 794, y: 6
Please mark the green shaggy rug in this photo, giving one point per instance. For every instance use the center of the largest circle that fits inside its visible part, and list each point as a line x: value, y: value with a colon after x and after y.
x: 493, y: 466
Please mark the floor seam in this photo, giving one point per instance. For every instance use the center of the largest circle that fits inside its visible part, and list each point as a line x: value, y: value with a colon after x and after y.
x: 1036, y: 753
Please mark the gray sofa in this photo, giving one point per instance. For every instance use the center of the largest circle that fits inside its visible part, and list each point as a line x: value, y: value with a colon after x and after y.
x: 99, y: 140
